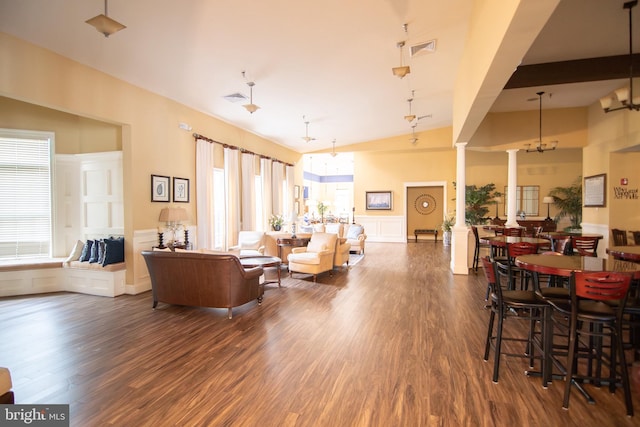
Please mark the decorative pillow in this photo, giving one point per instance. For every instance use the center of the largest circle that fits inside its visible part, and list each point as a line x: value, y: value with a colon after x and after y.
x: 86, y: 251
x: 76, y: 252
x: 93, y: 258
x: 254, y: 244
x: 101, y: 247
x: 113, y: 251
x: 354, y: 231
x: 316, y: 246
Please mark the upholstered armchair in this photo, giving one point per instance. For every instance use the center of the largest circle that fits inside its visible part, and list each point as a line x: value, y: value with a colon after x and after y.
x: 250, y: 243
x: 342, y: 252
x: 355, y: 235
x: 317, y: 257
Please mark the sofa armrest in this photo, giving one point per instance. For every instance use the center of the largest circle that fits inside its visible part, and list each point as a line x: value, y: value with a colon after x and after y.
x: 298, y: 250
x: 250, y: 273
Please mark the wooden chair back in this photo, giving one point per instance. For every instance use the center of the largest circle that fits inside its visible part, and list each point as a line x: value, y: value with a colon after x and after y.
x: 585, y: 245
x: 619, y: 237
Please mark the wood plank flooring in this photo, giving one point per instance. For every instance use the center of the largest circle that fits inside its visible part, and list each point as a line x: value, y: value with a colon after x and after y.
x: 395, y: 341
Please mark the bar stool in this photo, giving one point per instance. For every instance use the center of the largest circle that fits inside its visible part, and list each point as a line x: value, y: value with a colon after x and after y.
x: 597, y: 303
x: 619, y: 237
x: 516, y: 305
x: 585, y: 245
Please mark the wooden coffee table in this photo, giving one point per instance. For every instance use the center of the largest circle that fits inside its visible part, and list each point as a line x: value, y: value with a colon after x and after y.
x: 263, y: 261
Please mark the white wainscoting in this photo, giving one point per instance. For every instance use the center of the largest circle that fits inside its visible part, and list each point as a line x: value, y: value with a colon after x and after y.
x: 383, y: 228
x: 603, y: 229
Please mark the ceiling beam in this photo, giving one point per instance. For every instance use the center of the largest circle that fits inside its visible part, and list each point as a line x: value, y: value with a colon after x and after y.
x: 574, y: 71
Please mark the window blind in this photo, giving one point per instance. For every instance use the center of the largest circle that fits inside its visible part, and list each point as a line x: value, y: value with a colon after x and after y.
x: 25, y: 195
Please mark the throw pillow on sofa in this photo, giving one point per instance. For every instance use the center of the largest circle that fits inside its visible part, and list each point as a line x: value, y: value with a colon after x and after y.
x: 94, y: 252
x: 86, y: 251
x: 76, y: 252
x: 354, y: 232
x: 113, y: 251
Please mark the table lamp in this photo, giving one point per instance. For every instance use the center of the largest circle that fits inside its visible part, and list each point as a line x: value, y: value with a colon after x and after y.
x: 173, y: 217
x: 548, y: 200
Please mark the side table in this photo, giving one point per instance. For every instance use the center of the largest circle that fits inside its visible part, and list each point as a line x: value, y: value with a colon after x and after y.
x: 263, y: 261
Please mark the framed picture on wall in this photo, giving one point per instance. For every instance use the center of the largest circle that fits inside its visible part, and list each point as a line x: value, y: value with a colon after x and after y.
x: 379, y: 200
x: 180, y: 190
x: 159, y: 188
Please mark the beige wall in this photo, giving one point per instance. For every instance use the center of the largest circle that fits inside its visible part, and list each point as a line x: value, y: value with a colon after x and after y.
x: 151, y: 141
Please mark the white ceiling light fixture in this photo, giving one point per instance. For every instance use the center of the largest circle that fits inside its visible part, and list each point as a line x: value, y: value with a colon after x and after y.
x: 414, y: 138
x: 540, y: 146
x: 250, y: 107
x: 306, y: 136
x: 333, y: 151
x: 104, y: 24
x: 624, y: 96
x: 402, y: 70
x: 410, y: 117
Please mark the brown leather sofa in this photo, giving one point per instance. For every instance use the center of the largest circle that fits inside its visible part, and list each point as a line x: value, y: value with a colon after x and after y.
x: 202, y: 279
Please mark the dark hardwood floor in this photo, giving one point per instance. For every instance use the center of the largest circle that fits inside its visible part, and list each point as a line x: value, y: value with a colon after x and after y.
x: 395, y: 341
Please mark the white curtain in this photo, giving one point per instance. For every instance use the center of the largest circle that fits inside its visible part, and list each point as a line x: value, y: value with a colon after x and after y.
x: 232, y: 187
x: 267, y: 199
x: 204, y: 194
x: 248, y: 191
x: 276, y: 188
x: 289, y: 200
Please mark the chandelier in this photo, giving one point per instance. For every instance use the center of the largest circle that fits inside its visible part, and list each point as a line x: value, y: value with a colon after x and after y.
x: 541, y: 147
x: 624, y: 95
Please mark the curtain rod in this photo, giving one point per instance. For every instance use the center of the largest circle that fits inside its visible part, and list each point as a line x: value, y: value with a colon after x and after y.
x: 242, y: 150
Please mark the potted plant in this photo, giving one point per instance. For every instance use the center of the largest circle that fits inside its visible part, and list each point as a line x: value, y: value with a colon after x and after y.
x: 447, y: 223
x: 476, y: 201
x: 276, y: 222
x: 568, y: 200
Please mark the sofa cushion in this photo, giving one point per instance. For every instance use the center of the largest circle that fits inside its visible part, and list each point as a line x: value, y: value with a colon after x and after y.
x: 86, y: 251
x: 354, y: 231
x: 334, y: 228
x: 94, y: 252
x: 252, y: 244
x: 310, y: 258
x: 76, y: 252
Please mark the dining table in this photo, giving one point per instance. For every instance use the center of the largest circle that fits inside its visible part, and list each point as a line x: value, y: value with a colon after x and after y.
x: 564, y: 265
x: 627, y: 253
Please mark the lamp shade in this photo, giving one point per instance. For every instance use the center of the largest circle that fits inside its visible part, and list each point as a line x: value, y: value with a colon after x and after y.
x: 173, y: 215
x: 547, y: 199
x: 105, y: 25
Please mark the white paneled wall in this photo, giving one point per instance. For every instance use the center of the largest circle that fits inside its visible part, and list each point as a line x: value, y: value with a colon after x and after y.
x: 383, y: 228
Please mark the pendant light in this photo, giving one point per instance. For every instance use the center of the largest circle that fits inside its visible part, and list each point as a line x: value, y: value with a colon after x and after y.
x: 306, y: 136
x: 540, y: 147
x: 104, y: 24
x: 410, y: 117
x: 333, y: 152
x: 250, y: 107
x: 402, y: 70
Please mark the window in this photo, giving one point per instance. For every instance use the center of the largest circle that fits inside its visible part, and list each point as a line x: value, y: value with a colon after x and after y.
x: 259, y: 203
x: 526, y: 199
x: 25, y: 191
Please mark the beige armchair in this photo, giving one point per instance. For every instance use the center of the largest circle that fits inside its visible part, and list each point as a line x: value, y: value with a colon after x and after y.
x: 317, y: 257
x: 250, y: 243
x: 355, y: 235
x: 342, y: 252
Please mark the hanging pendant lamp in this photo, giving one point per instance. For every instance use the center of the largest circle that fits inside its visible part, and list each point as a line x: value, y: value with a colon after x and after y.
x: 104, y: 24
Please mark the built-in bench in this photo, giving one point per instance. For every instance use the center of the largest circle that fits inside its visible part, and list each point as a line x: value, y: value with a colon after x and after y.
x: 433, y: 231
x: 55, y: 275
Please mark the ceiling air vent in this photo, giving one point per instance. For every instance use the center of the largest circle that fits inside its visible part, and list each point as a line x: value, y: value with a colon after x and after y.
x: 422, y: 48
x: 236, y: 97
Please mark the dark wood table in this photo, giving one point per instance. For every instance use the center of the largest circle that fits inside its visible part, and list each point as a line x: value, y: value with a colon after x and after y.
x: 293, y: 242
x: 555, y: 234
x: 564, y: 265
x: 263, y: 261
x: 503, y: 241
x: 629, y: 253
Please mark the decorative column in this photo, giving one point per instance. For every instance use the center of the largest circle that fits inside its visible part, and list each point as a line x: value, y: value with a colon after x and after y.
x: 512, y: 184
x: 460, y: 232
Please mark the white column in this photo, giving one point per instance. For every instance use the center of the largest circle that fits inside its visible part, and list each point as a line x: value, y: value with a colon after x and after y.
x: 460, y: 232
x: 512, y: 183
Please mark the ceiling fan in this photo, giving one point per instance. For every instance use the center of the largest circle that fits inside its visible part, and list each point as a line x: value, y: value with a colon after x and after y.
x: 306, y: 136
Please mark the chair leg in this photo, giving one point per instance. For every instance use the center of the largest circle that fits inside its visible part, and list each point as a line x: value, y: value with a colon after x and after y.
x: 229, y: 313
x: 573, y: 344
x: 624, y: 371
x: 487, y: 346
x: 496, y: 360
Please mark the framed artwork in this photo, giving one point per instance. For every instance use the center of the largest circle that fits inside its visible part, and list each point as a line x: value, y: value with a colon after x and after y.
x: 180, y: 190
x: 296, y: 192
x: 159, y: 188
x: 595, y: 191
x: 379, y: 200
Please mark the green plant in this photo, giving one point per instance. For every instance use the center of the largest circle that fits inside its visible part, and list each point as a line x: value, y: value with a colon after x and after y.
x: 448, y: 221
x: 276, y: 221
x: 568, y: 200
x: 476, y: 201
x: 322, y: 208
